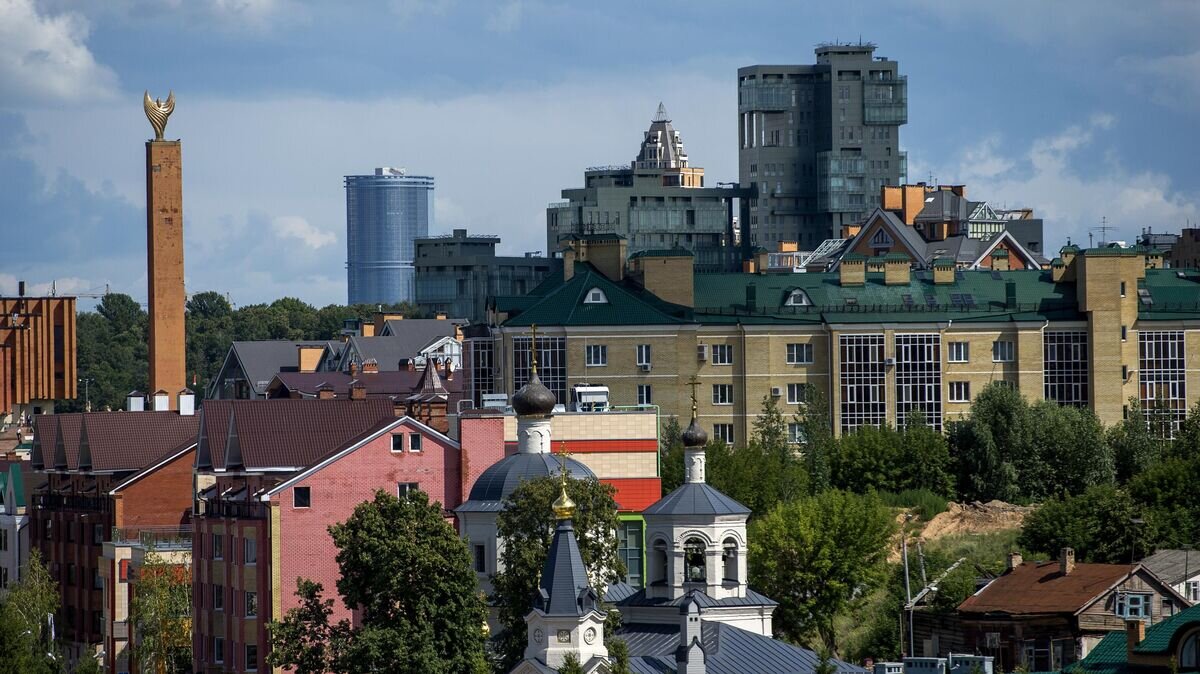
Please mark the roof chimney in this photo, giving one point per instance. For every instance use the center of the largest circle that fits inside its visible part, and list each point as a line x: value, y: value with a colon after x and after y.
x: 162, y: 401
x: 324, y: 391
x: 1066, y: 561
x: 187, y: 403
x: 1135, y: 633
x: 1014, y: 560
x: 370, y: 366
x: 135, y: 401
x: 358, y: 390
x: 354, y: 369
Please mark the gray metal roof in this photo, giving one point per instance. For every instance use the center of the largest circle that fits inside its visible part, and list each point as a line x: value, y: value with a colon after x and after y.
x: 696, y: 499
x: 621, y: 594
x: 728, y: 650
x: 504, y: 476
x: 262, y: 360
x: 563, y: 588
x: 1173, y: 566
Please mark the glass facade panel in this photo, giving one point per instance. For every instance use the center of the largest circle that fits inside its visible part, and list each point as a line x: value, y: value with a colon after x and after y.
x: 552, y: 364
x: 862, y: 381
x: 1065, y: 367
x: 919, y: 377
x: 385, y: 213
x: 1161, y: 378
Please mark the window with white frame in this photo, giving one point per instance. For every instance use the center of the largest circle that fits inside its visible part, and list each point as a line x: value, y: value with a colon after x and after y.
x: 643, y: 354
x: 1161, y: 377
x: 1065, y: 366
x: 403, y: 489
x: 960, y: 391
x: 722, y: 354
x: 722, y: 394
x: 414, y: 442
x: 480, y: 361
x: 797, y: 298
x: 1002, y: 351
x: 862, y: 381
x: 301, y: 497
x: 958, y: 352
x: 596, y: 355
x: 398, y: 442
x: 1133, y: 605
x: 644, y: 395
x: 799, y: 354
x: 796, y: 434
x: 595, y: 296
x: 919, y: 377
x: 1193, y: 590
x: 723, y: 432
x: 797, y: 394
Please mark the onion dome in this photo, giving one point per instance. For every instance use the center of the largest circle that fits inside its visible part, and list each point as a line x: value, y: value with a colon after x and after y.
x: 504, y: 476
x: 534, y: 399
x: 694, y: 436
x: 564, y: 507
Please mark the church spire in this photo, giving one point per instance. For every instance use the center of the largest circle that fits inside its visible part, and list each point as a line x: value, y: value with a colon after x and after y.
x: 694, y: 439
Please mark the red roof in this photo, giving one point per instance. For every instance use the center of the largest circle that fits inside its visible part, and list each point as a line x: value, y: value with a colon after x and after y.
x: 1039, y: 587
x: 288, y: 433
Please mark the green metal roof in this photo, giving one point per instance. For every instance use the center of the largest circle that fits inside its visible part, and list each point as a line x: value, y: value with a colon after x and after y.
x: 662, y: 252
x: 1111, y: 252
x: 626, y: 305
x: 1057, y: 262
x: 897, y: 257
x: 1110, y: 655
x: 943, y: 262
x: 1158, y: 637
x: 1106, y: 657
x: 854, y: 257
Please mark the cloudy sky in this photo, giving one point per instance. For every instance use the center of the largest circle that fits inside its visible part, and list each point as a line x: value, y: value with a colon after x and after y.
x: 1081, y: 110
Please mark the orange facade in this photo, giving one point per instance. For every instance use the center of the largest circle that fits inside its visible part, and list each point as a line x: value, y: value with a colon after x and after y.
x: 37, y: 350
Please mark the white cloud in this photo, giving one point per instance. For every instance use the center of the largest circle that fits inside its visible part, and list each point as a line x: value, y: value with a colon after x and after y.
x: 44, y: 57
x: 70, y: 285
x: 1173, y: 79
x: 296, y: 227
x: 1072, y: 197
x: 506, y: 17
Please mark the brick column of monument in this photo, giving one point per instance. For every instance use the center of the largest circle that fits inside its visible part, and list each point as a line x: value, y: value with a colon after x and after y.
x: 164, y: 248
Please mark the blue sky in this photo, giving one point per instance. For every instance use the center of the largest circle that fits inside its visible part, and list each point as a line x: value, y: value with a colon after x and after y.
x: 1081, y: 110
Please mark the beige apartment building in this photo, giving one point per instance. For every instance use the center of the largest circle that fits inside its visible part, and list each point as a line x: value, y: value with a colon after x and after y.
x: 876, y: 338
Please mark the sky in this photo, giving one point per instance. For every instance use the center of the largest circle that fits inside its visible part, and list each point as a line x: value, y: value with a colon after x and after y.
x: 1081, y: 110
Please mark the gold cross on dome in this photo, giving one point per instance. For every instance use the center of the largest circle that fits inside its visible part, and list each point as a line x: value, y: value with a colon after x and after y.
x: 693, y: 383
x: 533, y: 348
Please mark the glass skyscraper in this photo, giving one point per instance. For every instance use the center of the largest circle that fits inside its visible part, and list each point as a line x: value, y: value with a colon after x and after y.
x: 385, y: 214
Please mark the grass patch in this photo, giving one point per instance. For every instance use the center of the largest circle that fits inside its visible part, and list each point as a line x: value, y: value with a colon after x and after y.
x: 924, y: 502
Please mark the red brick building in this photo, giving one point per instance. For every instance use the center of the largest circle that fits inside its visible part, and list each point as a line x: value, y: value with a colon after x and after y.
x: 106, y: 472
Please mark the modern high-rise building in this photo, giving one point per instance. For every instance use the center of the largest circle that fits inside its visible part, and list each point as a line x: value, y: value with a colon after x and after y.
x: 818, y: 141
x: 385, y: 214
x: 657, y: 202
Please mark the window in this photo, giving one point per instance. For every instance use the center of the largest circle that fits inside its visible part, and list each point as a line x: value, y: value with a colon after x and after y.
x: 552, y: 364
x: 480, y: 559
x: 695, y: 567
x: 1133, y: 606
x: 414, y: 442
x: 919, y: 377
x: 1122, y: 288
x: 97, y: 580
x: 1002, y: 351
x: 595, y: 296
x: 70, y: 532
x: 218, y: 546
x: 249, y: 552
x: 722, y: 394
x: 862, y: 382
x: 251, y: 605
x: 1124, y: 333
x: 3, y: 540
x: 723, y: 432
x: 1065, y: 367
x: 629, y: 549
x: 797, y: 394
x: 796, y: 434
x: 398, y: 442
x: 1193, y: 590
x: 644, y: 395
x: 251, y: 658
x: 799, y: 354
x: 960, y: 352
x: 722, y: 354
x: 70, y: 574
x: 218, y: 650
x: 403, y: 489
x: 1161, y: 378
x: 301, y: 498
x: 218, y: 597
x: 643, y: 354
x: 960, y: 391
x: 596, y: 355
x: 729, y: 557
x: 97, y: 534
x: 797, y: 298
x: 49, y: 532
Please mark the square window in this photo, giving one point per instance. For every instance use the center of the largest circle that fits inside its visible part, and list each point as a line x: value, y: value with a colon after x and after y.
x: 723, y: 432
x: 960, y: 352
x: 398, y: 442
x: 1002, y: 351
x: 722, y: 354
x: 722, y: 394
x: 251, y: 605
x: 643, y: 354
x: 799, y: 354
x: 403, y: 489
x: 960, y: 391
x: 249, y: 552
x: 797, y: 394
x: 414, y: 442
x: 644, y: 395
x: 302, y: 496
x: 480, y: 559
x: 595, y: 355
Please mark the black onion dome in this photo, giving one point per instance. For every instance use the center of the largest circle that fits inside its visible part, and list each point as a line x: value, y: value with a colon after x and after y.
x: 694, y: 436
x: 533, y: 399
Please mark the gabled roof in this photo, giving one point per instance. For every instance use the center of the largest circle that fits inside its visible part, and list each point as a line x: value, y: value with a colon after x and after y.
x: 45, y: 436
x: 1174, y: 566
x: 260, y: 360
x: 1039, y: 588
x: 564, y: 305
x: 1111, y: 654
x: 120, y: 441
x: 1027, y: 258
x: 696, y: 498
x: 286, y: 433
x: 387, y: 384
x: 905, y: 234
x: 66, y: 445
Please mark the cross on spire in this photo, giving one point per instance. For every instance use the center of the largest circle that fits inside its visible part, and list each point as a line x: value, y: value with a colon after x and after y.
x: 533, y: 349
x: 693, y: 383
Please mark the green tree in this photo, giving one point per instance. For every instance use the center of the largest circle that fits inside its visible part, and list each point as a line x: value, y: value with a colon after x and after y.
x: 770, y: 428
x: 89, y: 665
x: 1096, y: 523
x: 305, y: 640
x: 571, y: 665
x: 1166, y: 495
x: 618, y: 650
x: 924, y: 458
x: 527, y: 527
x: 161, y: 612
x: 819, y: 445
x: 1186, y: 444
x: 26, y: 646
x: 867, y: 458
x: 670, y: 460
x: 991, y: 448
x: 818, y: 556
x: 1134, y: 447
x: 1074, y: 453
x: 408, y: 575
x: 209, y: 335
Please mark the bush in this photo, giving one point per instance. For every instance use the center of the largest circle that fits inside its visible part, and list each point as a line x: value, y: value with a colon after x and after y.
x: 926, y: 503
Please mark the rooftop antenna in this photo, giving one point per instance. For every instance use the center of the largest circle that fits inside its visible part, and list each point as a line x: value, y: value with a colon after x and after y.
x: 661, y: 115
x: 1104, y: 229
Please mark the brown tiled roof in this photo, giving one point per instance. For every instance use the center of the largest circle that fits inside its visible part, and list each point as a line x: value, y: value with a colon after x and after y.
x: 396, y: 383
x: 45, y: 433
x: 69, y: 426
x: 1039, y: 587
x: 294, y: 433
x: 214, y: 424
x: 120, y: 441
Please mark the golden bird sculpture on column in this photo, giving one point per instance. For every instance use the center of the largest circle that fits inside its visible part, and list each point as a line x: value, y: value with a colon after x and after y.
x: 158, y: 112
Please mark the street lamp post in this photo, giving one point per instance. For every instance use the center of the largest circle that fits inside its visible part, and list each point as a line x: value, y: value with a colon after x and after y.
x: 87, y: 398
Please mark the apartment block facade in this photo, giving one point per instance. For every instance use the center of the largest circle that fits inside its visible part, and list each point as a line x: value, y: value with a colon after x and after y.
x: 816, y: 142
x: 37, y: 354
x: 877, y: 340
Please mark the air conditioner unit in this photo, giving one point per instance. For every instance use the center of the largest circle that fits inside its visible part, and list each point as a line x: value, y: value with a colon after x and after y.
x: 701, y: 352
x: 889, y: 362
x: 644, y: 367
x: 776, y: 391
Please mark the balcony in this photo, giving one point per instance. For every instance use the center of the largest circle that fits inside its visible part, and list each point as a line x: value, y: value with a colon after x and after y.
x: 243, y: 510
x: 72, y: 502
x: 885, y: 102
x: 158, y: 538
x: 758, y: 96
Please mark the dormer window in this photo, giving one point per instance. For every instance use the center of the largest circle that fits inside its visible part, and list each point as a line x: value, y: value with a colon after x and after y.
x: 595, y: 296
x: 797, y: 298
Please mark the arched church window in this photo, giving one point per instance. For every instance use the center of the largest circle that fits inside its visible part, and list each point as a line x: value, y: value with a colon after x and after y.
x: 730, y: 558
x: 1189, y: 659
x: 658, y: 562
x: 693, y: 559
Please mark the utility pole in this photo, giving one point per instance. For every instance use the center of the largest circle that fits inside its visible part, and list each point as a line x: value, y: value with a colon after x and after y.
x: 87, y: 398
x: 907, y: 585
